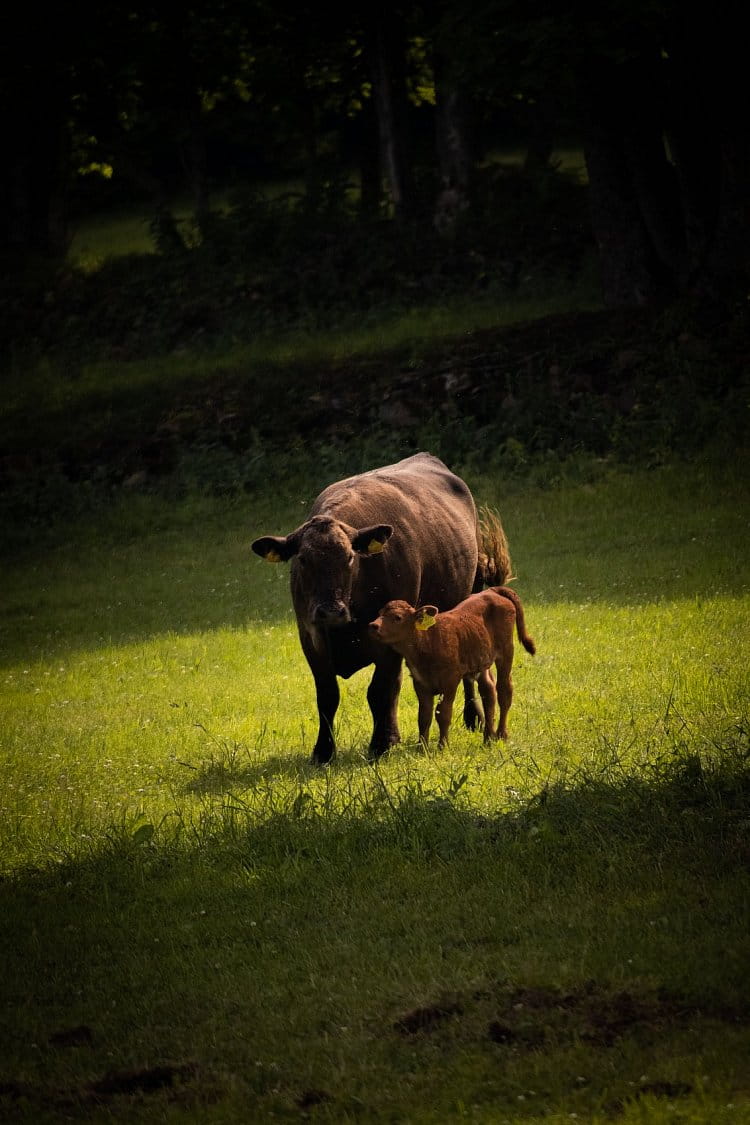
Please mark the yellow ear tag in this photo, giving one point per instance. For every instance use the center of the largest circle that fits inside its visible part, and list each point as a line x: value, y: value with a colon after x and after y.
x: 273, y: 556
x: 426, y: 622
x: 374, y: 547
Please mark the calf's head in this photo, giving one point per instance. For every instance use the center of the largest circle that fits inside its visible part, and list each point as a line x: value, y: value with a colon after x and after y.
x: 397, y: 622
x: 325, y: 555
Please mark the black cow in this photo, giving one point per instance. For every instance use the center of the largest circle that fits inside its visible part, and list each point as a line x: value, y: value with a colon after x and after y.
x: 409, y: 531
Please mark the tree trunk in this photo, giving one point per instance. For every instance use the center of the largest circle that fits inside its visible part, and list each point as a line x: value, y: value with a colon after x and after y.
x: 370, y: 176
x: 626, y: 276
x: 729, y: 257
x: 632, y: 193
x: 540, y: 144
x: 454, y: 150
x: 34, y: 191
x: 709, y: 139
x: 386, y: 53
x: 195, y: 163
x: 654, y: 181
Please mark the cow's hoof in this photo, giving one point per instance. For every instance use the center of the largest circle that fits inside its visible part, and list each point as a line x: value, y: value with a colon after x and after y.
x: 376, y: 752
x: 321, y: 757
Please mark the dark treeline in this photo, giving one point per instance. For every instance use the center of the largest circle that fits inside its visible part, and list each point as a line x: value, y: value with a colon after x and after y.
x: 140, y: 101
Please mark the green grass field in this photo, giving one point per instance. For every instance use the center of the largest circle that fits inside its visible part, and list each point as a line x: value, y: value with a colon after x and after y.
x: 198, y: 926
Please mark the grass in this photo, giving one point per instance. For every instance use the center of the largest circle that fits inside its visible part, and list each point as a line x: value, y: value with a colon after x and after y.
x: 96, y: 392
x: 111, y: 235
x: 98, y: 420
x: 197, y: 926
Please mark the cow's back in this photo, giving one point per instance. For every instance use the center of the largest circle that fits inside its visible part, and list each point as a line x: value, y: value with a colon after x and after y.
x: 432, y: 554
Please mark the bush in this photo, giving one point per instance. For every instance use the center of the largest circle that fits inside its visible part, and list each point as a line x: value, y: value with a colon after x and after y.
x: 295, y: 262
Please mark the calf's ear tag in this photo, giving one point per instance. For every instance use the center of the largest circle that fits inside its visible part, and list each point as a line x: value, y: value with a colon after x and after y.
x: 425, y: 621
x: 374, y: 547
x: 272, y: 556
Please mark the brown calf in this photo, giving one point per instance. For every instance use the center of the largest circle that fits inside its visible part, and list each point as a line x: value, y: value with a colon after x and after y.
x: 441, y: 648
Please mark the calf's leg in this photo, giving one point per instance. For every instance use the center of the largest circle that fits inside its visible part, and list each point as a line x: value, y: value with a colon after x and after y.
x: 424, y: 717
x: 488, y: 692
x: 444, y: 713
x: 472, y: 711
x: 504, y: 693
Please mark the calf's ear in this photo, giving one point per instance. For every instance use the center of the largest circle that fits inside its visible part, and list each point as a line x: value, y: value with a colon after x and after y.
x: 275, y: 548
x: 424, y: 617
x: 372, y: 540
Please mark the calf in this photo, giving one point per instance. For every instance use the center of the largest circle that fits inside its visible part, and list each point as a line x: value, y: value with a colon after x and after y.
x: 441, y: 648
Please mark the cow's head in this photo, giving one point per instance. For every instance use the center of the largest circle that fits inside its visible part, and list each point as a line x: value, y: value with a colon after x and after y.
x: 325, y: 556
x: 397, y: 621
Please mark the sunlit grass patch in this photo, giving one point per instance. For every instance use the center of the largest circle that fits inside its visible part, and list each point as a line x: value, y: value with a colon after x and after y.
x: 199, y: 925
x: 211, y: 692
x: 99, y: 238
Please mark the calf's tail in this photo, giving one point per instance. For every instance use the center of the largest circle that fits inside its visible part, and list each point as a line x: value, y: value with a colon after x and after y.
x: 494, y: 566
x: 523, y: 636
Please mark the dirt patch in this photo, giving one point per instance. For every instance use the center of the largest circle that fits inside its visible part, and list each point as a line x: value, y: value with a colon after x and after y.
x: 81, y: 1036
x: 426, y: 1019
x: 146, y: 1081
x: 591, y: 1013
x: 605, y: 1018
x: 507, y: 1035
x: 310, y: 1098
x: 527, y: 1018
x: 666, y: 1089
x: 120, y: 1083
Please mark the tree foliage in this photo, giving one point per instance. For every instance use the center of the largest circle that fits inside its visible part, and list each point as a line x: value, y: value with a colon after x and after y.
x: 409, y: 100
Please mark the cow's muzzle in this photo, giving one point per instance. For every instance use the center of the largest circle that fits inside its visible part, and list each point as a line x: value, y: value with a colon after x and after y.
x: 333, y: 613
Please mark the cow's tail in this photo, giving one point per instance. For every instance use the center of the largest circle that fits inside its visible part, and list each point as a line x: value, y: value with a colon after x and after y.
x: 494, y: 567
x: 523, y: 636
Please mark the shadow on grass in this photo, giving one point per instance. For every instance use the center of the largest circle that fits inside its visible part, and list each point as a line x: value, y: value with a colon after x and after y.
x: 697, y: 806
x: 219, y: 775
x: 232, y: 766
x: 228, y: 956
x: 239, y: 773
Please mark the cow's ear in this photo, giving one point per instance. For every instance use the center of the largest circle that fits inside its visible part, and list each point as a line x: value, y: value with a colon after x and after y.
x: 372, y: 540
x: 424, y: 617
x: 275, y: 548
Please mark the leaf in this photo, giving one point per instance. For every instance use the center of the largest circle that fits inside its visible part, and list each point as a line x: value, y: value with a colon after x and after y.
x: 143, y: 834
x: 457, y: 784
x: 300, y: 801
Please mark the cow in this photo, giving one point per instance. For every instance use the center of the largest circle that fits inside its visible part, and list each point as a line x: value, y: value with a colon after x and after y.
x: 441, y: 649
x: 408, y: 530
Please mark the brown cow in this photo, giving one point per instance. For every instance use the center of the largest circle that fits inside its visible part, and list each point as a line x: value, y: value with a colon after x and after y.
x: 440, y: 649
x: 408, y: 530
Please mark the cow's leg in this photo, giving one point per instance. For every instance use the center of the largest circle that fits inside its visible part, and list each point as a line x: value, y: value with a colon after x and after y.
x: 424, y: 716
x: 382, y: 696
x: 504, y: 692
x: 473, y: 716
x: 488, y: 692
x: 444, y: 713
x: 327, y: 692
